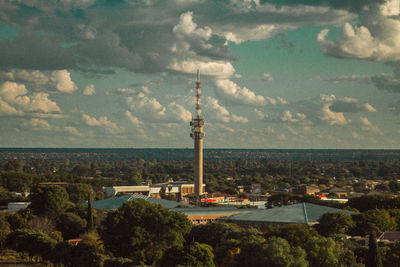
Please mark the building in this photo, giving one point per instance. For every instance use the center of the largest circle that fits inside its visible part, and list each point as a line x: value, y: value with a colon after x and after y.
x: 304, y: 213
x: 179, y: 189
x: 16, y: 206
x: 389, y: 237
x: 197, y: 215
x: 305, y: 190
x: 110, y: 191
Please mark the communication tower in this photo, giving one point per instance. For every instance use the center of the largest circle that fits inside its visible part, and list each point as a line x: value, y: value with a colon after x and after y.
x: 197, y: 135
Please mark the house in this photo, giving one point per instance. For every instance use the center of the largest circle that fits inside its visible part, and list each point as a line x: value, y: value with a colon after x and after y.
x: 389, y: 237
x: 305, y: 190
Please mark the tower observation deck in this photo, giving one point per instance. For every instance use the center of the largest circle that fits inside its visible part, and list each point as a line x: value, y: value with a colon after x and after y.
x: 197, y: 134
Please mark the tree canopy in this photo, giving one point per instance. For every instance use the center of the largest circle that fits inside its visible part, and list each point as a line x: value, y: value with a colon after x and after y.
x: 143, y: 231
x: 49, y: 200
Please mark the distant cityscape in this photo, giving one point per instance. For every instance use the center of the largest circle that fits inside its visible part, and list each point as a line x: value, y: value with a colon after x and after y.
x: 187, y: 154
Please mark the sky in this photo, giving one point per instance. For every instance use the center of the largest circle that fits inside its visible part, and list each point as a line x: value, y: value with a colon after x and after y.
x: 304, y: 74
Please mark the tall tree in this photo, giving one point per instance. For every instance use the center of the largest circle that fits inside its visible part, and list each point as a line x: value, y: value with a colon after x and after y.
x: 90, y: 224
x: 374, y: 257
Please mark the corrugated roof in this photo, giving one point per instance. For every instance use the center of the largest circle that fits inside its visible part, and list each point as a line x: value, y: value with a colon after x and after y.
x: 210, y: 211
x: 296, y: 213
x: 116, y: 202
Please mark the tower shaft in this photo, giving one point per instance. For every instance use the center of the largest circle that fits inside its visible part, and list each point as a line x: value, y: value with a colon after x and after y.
x: 197, y: 134
x: 198, y: 162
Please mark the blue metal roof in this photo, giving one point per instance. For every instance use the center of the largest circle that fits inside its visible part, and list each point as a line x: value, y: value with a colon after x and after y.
x: 297, y: 213
x: 116, y: 202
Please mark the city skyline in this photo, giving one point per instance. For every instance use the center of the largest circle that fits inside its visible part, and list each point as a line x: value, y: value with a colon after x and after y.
x: 275, y: 74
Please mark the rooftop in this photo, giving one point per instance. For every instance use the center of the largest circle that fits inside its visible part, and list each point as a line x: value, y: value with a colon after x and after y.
x: 297, y: 213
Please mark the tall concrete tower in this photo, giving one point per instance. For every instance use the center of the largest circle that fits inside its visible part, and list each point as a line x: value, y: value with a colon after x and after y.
x: 197, y: 134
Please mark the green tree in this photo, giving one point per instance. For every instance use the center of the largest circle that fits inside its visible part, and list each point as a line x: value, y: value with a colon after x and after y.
x: 193, y: 254
x: 78, y: 193
x: 6, y: 197
x: 391, y: 255
x: 34, y: 243
x: 70, y: 225
x: 16, y: 181
x: 365, y: 203
x: 143, y: 231
x: 225, y: 239
x: 374, y: 256
x: 274, y: 252
x: 4, y: 231
x: 373, y: 220
x: 17, y: 221
x: 49, y: 201
x: 334, y: 223
x: 323, y: 251
x: 295, y: 234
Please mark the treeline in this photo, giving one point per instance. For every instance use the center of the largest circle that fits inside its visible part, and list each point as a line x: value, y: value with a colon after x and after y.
x: 219, y: 175
x: 143, y: 234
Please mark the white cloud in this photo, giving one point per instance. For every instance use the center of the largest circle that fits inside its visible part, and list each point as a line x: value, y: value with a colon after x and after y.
x: 268, y: 76
x: 260, y: 114
x: 63, y: 82
x: 329, y: 116
x: 133, y: 119
x: 122, y: 91
x: 241, y: 34
x: 377, y: 38
x: 356, y: 135
x: 6, y: 109
x: 281, y: 137
x: 231, y: 93
x: 288, y: 117
x: 240, y: 119
x: 369, y: 108
x: 187, y: 27
x: 72, y: 130
x: 35, y: 77
x: 212, y: 68
x: 146, y: 90
x: 282, y: 100
x: 291, y: 130
x: 15, y: 95
x: 149, y: 109
x: 269, y: 130
x: 220, y: 112
x: 102, y: 122
x: 368, y: 126
x: 89, y: 90
x: 38, y: 125
x: 179, y: 113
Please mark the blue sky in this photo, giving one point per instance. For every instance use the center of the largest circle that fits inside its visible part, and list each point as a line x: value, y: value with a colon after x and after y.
x: 275, y: 74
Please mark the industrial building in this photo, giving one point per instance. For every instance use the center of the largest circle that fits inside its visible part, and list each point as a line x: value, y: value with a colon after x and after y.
x: 197, y: 215
x: 304, y: 213
x: 180, y: 189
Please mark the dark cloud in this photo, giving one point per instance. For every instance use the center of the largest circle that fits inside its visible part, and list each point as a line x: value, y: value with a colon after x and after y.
x: 138, y: 35
x: 351, y: 5
x: 30, y: 50
x: 387, y: 83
